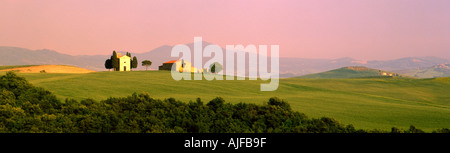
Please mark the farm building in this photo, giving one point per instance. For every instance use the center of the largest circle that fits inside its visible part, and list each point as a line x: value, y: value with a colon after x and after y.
x: 124, y: 62
x: 180, y: 65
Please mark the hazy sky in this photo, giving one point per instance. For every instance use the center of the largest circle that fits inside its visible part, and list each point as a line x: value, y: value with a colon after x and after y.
x: 362, y: 29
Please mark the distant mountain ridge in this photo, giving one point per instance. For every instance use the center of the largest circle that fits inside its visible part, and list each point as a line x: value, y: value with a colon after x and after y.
x: 289, y: 67
x: 22, y: 56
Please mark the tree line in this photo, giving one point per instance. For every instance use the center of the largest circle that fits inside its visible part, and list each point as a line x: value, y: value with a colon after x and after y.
x: 25, y: 108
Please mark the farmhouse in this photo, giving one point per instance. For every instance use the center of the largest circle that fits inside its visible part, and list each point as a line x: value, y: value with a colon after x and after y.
x: 124, y: 62
x: 180, y: 65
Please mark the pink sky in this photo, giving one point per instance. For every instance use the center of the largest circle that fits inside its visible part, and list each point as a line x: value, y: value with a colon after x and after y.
x: 362, y: 29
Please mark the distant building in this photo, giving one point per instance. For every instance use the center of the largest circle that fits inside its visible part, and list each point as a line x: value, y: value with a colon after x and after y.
x: 124, y: 62
x: 167, y: 65
x: 180, y: 65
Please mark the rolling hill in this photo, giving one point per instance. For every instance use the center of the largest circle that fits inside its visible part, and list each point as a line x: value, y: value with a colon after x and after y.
x: 440, y: 70
x: 289, y: 66
x: 368, y: 103
x: 351, y: 72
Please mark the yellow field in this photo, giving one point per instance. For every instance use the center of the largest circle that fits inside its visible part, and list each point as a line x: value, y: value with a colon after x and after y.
x: 50, y: 69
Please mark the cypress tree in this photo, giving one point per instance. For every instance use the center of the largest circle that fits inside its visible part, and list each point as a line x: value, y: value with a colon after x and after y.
x: 115, y: 61
x: 134, y: 63
x: 131, y: 61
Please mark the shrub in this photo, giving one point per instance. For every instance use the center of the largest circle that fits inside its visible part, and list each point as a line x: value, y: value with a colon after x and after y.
x: 275, y: 101
x: 216, y: 103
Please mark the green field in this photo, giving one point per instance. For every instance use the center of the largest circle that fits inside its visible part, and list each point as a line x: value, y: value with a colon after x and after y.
x: 367, y: 103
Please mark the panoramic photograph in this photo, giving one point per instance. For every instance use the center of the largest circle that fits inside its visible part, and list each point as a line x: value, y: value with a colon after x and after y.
x: 215, y: 66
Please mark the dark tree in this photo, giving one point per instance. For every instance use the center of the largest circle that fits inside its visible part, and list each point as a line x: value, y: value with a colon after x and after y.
x: 274, y: 101
x: 216, y: 67
x: 131, y: 60
x: 213, y: 68
x: 115, y: 61
x: 182, y: 63
x: 146, y: 63
x: 216, y: 103
x: 134, y: 63
x: 108, y: 64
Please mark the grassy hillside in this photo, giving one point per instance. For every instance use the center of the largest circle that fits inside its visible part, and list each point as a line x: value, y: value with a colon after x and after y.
x: 349, y: 72
x: 366, y: 103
